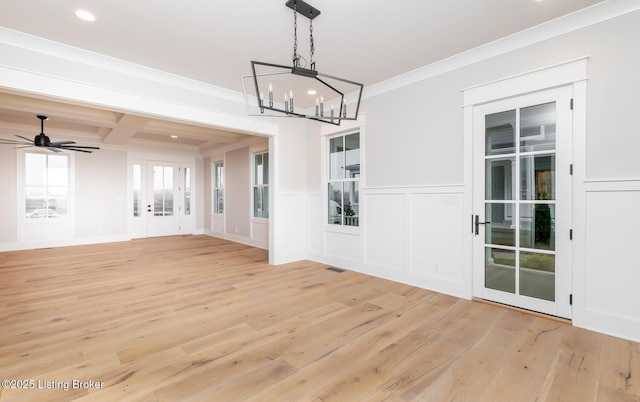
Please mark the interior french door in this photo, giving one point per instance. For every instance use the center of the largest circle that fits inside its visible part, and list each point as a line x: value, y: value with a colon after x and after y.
x: 163, y: 199
x: 522, y: 201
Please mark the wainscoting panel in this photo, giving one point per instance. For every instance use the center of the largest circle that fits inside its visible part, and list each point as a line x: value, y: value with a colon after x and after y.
x: 291, y: 231
x: 613, y: 257
x: 343, y: 247
x: 437, y: 235
x: 386, y: 230
x: 217, y: 224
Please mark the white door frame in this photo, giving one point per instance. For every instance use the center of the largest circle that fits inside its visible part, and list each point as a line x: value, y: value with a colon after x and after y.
x: 141, y: 226
x: 571, y: 73
x: 562, y: 201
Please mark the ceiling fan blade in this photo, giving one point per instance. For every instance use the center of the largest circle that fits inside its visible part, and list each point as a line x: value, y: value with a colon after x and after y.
x: 25, y: 138
x: 53, y: 149
x: 55, y: 144
x: 14, y: 142
x: 78, y: 150
x: 75, y: 146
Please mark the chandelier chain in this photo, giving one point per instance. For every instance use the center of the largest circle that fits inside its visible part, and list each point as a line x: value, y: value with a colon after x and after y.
x: 296, y: 59
x: 312, y: 44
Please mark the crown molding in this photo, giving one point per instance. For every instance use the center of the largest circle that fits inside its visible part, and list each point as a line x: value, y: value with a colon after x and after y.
x: 56, y: 49
x: 560, y: 26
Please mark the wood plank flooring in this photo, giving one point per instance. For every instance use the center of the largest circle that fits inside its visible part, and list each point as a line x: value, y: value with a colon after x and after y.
x: 194, y: 318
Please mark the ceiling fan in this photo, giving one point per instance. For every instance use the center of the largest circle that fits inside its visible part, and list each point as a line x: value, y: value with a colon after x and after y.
x: 41, y: 140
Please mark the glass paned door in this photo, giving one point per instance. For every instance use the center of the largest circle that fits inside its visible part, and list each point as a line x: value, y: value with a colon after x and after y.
x: 519, y: 147
x: 163, y: 199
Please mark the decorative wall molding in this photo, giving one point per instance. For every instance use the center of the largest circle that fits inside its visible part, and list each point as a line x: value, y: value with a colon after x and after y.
x: 581, y: 19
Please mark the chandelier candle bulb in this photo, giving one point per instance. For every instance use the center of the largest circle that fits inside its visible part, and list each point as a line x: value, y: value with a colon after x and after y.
x: 286, y: 103
x: 317, y: 106
x: 291, y: 101
x: 261, y: 102
x: 321, y: 105
x: 270, y: 95
x: 344, y: 108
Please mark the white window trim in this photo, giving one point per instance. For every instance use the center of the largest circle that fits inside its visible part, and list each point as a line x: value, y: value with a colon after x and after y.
x: 214, y: 188
x: 326, y: 133
x: 22, y: 209
x: 259, y: 219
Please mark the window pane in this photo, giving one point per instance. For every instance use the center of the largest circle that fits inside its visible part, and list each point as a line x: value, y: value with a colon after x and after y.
x: 351, y: 203
x: 352, y: 146
x: 218, y: 193
x: 258, y: 170
x: 265, y: 202
x: 538, y: 275
x: 137, y: 187
x: 168, y: 190
x: 336, y: 158
x: 265, y: 168
x: 58, y: 200
x: 219, y: 175
x: 257, y: 202
x: 499, y: 184
x: 500, y: 230
x: 187, y: 191
x: 537, y: 179
x: 35, y: 199
x: 537, y: 226
x: 335, y: 203
x: 36, y: 169
x: 500, y: 270
x: 46, y: 190
x: 538, y: 128
x: 163, y: 190
x: 218, y: 201
x: 57, y: 170
x: 500, y: 133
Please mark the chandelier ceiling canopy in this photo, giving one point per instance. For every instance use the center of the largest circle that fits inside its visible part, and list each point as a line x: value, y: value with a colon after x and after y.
x: 299, y: 90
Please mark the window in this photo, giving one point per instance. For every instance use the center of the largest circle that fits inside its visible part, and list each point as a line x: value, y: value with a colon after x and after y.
x: 137, y: 189
x: 187, y: 191
x: 163, y: 191
x: 46, y: 185
x: 218, y: 188
x: 344, y: 180
x: 261, y: 185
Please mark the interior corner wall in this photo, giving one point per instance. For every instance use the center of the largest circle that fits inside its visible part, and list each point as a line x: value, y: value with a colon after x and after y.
x: 238, y: 192
x: 288, y: 156
x: 416, y: 198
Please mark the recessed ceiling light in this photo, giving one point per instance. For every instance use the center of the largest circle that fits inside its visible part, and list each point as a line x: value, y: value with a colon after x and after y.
x: 85, y: 15
x: 174, y: 136
x: 312, y: 92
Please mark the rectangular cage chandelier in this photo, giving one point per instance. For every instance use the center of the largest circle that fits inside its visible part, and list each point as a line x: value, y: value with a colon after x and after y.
x: 297, y: 91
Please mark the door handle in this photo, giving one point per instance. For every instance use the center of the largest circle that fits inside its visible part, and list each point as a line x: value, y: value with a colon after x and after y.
x: 477, y: 223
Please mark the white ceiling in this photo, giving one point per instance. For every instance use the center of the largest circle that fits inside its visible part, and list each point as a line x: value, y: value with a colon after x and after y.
x: 367, y: 41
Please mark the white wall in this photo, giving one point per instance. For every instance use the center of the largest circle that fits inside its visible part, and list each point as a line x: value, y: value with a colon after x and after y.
x: 101, y: 195
x: 416, y: 197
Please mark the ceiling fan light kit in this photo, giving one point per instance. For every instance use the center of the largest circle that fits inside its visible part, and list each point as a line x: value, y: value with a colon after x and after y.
x: 318, y: 96
x: 42, y: 140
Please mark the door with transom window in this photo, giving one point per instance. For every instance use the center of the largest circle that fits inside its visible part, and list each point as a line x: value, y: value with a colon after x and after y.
x: 522, y: 201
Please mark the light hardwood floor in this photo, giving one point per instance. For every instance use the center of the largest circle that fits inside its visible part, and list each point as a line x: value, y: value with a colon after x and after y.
x: 199, y: 318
